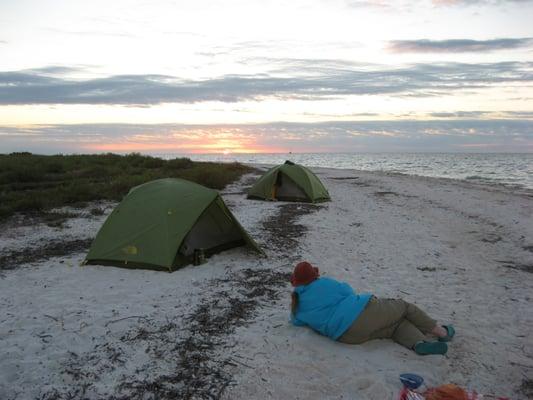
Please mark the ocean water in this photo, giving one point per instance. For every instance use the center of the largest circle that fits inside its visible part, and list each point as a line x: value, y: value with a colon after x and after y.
x: 512, y: 170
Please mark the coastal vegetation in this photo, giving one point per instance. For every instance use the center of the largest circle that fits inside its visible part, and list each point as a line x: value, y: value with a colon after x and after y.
x: 31, y: 183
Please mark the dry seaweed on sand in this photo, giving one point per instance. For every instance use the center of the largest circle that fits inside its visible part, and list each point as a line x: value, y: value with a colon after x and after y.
x: 184, y: 356
x: 199, y: 373
x: 187, y: 357
x: 526, y: 267
x: 344, y: 178
x: 527, y: 388
x: 54, y: 248
x: 283, y: 229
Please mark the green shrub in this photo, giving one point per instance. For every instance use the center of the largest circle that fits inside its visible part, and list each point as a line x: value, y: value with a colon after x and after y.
x: 26, y: 174
x: 54, y: 167
x: 5, y: 212
x: 151, y: 162
x: 179, y: 163
x: 95, y: 171
x: 34, y: 183
x: 213, y: 175
x: 28, y: 204
x: 134, y: 159
x: 78, y: 191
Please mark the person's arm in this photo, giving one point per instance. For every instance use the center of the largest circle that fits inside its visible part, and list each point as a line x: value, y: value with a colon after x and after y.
x: 296, y: 322
x: 345, y: 289
x: 294, y: 306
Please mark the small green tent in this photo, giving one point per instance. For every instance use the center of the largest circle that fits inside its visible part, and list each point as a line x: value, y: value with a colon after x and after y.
x: 160, y: 224
x: 290, y: 182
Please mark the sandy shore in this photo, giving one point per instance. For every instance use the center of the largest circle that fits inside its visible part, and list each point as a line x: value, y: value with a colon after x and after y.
x: 462, y: 252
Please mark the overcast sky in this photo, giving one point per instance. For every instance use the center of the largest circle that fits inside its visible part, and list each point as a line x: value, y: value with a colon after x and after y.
x: 263, y: 75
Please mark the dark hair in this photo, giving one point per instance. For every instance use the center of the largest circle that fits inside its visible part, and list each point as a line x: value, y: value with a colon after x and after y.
x: 294, y: 302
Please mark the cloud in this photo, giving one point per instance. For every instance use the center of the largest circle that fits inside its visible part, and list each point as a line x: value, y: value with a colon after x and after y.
x: 298, y: 79
x: 483, y: 114
x: 54, y: 70
x: 92, y: 33
x: 244, y: 47
x: 520, y: 114
x: 248, y: 52
x: 410, y: 5
x: 381, y: 4
x: 457, y: 45
x: 477, y: 2
x: 336, y: 136
x: 460, y: 114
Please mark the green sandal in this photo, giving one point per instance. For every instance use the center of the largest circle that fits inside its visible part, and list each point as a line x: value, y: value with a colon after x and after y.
x: 426, y: 348
x: 450, y: 333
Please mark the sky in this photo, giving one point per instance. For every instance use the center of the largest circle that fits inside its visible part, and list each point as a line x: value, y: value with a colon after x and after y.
x: 245, y: 76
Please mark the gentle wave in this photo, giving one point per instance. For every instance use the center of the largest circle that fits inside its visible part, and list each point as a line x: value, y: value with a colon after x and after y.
x: 512, y: 170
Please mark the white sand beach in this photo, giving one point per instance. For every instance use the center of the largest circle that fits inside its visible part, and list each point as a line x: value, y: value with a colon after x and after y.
x: 462, y: 252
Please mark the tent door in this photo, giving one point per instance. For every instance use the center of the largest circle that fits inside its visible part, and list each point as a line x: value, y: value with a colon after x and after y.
x: 214, y: 229
x: 286, y: 188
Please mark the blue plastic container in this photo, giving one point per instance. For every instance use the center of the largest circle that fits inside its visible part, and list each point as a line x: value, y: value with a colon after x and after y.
x: 411, y: 381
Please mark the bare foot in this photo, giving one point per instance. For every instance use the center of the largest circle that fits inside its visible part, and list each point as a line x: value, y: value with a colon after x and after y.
x: 439, y: 331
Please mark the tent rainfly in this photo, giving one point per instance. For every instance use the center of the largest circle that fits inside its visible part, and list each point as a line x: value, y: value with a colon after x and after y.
x: 160, y: 224
x: 289, y: 182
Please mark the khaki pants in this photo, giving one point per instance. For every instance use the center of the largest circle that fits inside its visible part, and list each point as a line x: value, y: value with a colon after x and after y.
x: 393, y: 319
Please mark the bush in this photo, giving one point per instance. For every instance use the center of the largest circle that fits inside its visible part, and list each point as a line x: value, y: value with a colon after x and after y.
x: 153, y: 163
x: 29, y: 204
x: 54, y: 168
x: 134, y: 159
x: 5, y: 212
x: 26, y: 174
x: 215, y: 176
x: 33, y: 183
x: 179, y: 163
x: 95, y: 171
x: 76, y: 192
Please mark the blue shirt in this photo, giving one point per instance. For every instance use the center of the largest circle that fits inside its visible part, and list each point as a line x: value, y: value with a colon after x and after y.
x: 328, y: 306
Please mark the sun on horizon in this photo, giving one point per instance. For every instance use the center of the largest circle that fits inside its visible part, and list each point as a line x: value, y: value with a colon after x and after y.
x: 214, y: 77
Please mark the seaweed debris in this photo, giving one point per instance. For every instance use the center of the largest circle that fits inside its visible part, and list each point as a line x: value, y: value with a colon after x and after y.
x: 283, y: 231
x: 54, y: 248
x: 186, y: 358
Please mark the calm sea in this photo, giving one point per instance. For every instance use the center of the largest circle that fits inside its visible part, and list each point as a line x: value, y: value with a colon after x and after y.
x: 514, y: 170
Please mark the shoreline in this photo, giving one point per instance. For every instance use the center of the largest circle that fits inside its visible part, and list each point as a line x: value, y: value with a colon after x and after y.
x: 463, y: 253
x: 491, y: 168
x: 509, y: 188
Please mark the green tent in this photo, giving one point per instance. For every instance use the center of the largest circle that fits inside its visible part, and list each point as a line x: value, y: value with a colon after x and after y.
x: 160, y: 224
x: 290, y: 182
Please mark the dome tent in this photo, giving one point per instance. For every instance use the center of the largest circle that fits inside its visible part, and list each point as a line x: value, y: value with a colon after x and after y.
x: 160, y: 224
x: 291, y: 182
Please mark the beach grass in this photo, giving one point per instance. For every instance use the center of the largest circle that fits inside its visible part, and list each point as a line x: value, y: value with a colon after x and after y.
x: 30, y: 183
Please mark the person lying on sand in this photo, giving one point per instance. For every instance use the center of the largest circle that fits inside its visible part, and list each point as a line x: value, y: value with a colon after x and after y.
x: 333, y: 309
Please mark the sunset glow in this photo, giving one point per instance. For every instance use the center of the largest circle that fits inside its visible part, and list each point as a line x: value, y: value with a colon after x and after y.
x: 121, y: 76
x: 193, y: 146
